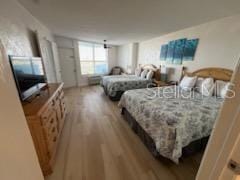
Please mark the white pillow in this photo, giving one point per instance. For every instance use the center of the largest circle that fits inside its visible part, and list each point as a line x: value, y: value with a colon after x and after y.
x: 188, y: 83
x: 138, y: 71
x: 144, y: 73
x: 149, y: 75
x: 199, y: 84
x: 207, y: 87
x: 221, y: 88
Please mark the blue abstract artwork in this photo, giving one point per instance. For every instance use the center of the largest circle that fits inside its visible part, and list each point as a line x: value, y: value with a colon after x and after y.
x: 190, y: 49
x: 170, y: 52
x: 163, y: 54
x: 179, y: 51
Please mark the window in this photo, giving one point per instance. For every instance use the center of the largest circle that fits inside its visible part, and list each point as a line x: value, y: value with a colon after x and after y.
x: 93, y: 58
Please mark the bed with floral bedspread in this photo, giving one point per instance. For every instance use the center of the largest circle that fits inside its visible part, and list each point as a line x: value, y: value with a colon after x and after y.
x: 113, y: 85
x: 172, y: 121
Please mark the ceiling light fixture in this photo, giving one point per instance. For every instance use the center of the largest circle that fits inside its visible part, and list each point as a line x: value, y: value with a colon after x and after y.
x: 105, y: 46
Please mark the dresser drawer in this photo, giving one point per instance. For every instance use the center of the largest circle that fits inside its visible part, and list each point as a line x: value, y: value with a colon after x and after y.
x: 51, y: 124
x: 47, y: 112
x: 45, y: 115
x: 52, y: 140
x: 63, y: 108
x: 51, y: 131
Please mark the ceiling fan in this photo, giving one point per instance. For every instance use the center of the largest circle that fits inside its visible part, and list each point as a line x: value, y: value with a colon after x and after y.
x: 105, y: 46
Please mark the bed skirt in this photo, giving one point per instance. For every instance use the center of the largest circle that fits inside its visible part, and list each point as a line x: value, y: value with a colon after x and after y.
x: 117, y: 97
x: 192, y: 148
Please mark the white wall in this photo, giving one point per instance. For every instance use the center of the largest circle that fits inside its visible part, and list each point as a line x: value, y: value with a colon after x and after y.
x: 124, y: 59
x: 112, y: 56
x: 18, y: 159
x: 16, y: 25
x: 219, y: 44
x: 127, y: 56
x: 65, y: 42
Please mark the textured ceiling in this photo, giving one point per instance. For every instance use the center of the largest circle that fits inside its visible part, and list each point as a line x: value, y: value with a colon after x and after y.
x: 125, y: 21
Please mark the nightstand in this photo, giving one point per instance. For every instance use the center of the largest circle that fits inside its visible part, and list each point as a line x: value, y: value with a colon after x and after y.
x: 162, y: 83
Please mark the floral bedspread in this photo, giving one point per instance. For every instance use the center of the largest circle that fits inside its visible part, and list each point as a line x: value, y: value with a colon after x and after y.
x: 115, y: 83
x: 173, y: 121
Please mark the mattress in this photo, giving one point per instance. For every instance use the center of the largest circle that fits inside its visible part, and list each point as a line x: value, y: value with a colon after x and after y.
x: 120, y: 83
x: 171, y: 116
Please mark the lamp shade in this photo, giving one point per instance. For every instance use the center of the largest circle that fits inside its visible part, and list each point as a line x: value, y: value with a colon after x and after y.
x: 164, y: 73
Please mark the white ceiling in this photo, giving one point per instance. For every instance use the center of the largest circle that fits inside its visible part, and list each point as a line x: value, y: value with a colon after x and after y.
x: 125, y: 21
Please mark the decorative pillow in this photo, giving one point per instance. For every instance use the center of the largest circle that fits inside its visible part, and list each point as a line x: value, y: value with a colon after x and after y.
x: 149, y: 75
x: 116, y: 71
x: 138, y: 71
x: 207, y: 87
x: 199, y: 84
x: 188, y: 83
x: 221, y: 88
x: 144, y: 73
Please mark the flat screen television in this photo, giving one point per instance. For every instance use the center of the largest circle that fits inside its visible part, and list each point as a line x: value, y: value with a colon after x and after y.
x: 29, y: 75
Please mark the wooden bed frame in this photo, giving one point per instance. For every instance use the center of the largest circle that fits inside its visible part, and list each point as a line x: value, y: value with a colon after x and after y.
x: 214, y: 72
x: 153, y: 68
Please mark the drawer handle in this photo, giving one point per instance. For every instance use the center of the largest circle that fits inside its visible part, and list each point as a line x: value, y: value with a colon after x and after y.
x: 51, y: 121
x: 55, y: 139
x: 53, y: 130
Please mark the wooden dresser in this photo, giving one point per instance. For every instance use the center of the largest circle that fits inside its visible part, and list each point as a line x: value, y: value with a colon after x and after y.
x: 45, y: 116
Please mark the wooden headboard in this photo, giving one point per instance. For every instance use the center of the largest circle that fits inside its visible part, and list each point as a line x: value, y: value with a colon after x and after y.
x: 215, y: 73
x: 154, y: 68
